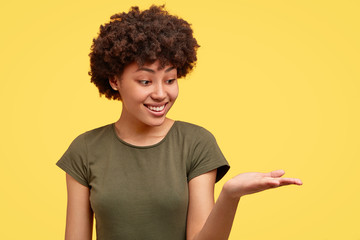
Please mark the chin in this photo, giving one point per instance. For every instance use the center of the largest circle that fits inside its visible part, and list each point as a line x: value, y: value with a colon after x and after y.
x: 155, y: 122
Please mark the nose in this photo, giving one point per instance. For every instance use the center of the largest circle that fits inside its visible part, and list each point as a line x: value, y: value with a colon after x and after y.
x: 159, y: 92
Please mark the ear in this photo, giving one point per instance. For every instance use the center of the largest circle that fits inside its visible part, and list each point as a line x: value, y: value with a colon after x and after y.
x: 114, y: 83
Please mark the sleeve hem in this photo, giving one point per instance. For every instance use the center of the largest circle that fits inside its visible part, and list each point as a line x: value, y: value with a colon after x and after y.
x: 73, y: 174
x: 219, y: 175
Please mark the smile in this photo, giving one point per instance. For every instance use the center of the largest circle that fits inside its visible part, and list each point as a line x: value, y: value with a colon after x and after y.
x: 155, y: 109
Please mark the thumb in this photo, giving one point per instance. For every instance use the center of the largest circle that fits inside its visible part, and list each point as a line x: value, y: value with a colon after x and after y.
x: 275, y: 174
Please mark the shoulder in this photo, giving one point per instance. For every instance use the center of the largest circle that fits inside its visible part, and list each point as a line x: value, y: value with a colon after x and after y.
x: 191, y: 128
x: 193, y: 131
x: 204, y: 153
x: 93, y: 135
x: 99, y: 131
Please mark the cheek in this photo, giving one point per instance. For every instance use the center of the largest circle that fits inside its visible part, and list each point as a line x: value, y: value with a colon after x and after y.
x: 134, y: 95
x: 174, y: 92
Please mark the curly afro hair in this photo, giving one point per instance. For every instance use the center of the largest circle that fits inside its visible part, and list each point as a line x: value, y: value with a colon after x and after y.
x: 141, y: 37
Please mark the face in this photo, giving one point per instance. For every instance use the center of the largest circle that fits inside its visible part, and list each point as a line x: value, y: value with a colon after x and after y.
x: 147, y: 92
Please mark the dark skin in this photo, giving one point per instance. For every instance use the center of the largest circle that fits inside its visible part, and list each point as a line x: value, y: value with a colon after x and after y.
x: 206, y: 219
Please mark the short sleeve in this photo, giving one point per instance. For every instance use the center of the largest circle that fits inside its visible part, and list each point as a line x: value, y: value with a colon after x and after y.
x: 74, y: 161
x: 207, y: 156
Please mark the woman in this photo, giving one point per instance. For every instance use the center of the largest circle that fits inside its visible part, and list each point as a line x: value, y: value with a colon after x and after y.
x: 147, y: 176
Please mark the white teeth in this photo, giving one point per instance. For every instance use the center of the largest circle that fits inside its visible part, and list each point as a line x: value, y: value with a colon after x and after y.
x: 156, y: 109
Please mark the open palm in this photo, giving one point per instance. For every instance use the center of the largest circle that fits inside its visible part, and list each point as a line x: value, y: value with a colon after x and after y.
x: 253, y: 182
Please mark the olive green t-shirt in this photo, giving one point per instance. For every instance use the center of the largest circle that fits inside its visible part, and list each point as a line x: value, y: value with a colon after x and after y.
x: 141, y: 192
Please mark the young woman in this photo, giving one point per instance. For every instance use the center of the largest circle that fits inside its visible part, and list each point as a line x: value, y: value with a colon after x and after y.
x: 147, y: 176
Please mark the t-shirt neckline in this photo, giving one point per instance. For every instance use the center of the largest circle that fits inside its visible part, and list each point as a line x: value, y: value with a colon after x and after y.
x: 143, y: 147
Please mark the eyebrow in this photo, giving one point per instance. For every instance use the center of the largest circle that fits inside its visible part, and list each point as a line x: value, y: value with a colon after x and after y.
x: 152, y: 71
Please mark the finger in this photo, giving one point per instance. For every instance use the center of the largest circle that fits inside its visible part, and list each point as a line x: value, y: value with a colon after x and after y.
x: 288, y: 181
x: 270, y: 182
x: 275, y: 174
x: 278, y: 182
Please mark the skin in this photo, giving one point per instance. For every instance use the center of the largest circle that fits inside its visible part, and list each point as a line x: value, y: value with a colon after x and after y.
x: 220, y: 218
x: 79, y: 216
x: 141, y: 88
x: 138, y: 125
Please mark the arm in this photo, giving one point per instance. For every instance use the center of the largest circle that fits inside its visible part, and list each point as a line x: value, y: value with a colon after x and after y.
x: 220, y: 218
x: 201, y: 202
x: 207, y: 220
x: 79, y: 217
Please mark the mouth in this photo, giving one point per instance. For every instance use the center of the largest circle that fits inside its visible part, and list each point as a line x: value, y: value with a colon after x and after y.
x: 153, y: 108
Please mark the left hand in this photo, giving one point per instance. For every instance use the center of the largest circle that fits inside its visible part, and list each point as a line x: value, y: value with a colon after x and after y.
x: 253, y: 182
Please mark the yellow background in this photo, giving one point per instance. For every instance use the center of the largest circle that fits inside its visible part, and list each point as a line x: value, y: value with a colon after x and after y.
x: 277, y: 82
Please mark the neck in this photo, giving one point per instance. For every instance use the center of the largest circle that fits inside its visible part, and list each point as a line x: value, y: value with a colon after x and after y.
x: 137, y: 133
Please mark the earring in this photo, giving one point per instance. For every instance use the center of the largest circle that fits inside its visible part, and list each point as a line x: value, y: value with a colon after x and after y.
x: 115, y: 88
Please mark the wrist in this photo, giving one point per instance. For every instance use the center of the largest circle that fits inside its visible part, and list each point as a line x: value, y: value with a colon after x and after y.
x: 229, y: 192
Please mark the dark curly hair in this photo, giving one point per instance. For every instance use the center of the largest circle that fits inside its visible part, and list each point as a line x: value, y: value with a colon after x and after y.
x: 141, y: 37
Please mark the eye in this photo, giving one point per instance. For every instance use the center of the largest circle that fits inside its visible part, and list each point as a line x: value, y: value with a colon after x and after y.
x: 144, y: 82
x: 170, y: 81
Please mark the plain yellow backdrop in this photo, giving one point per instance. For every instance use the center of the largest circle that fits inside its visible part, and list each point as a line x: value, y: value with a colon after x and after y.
x: 277, y: 83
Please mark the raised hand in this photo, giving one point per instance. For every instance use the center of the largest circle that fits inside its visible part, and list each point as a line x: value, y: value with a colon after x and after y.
x: 253, y: 182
